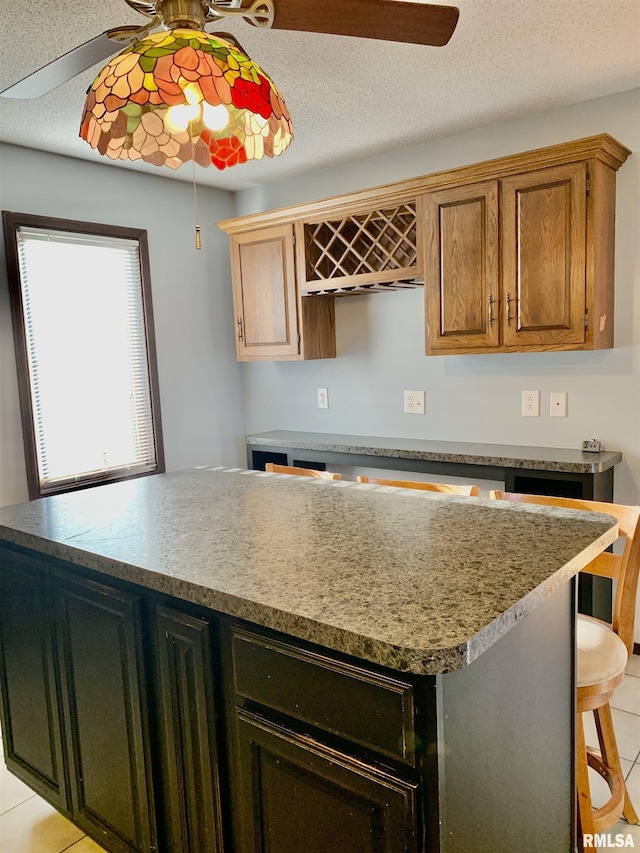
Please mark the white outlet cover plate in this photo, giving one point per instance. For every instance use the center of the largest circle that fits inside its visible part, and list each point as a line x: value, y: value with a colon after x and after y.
x: 323, y: 398
x: 414, y: 402
x: 530, y: 404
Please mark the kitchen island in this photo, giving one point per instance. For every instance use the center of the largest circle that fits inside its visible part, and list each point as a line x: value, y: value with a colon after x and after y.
x: 561, y: 471
x: 228, y: 660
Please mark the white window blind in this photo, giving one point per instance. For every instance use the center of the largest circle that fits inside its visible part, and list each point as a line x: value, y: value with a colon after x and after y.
x: 87, y: 356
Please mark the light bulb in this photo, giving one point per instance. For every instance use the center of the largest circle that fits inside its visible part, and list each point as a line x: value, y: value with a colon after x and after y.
x: 216, y: 118
x: 177, y: 118
x: 193, y: 93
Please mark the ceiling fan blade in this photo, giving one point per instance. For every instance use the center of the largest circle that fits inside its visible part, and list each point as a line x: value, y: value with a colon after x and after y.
x: 63, y: 68
x: 389, y: 20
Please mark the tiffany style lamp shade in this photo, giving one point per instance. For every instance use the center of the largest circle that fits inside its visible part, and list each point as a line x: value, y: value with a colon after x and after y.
x: 183, y: 95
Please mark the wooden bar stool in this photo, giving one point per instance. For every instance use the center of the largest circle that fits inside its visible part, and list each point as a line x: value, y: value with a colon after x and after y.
x: 443, y: 488
x: 301, y: 472
x: 602, y: 654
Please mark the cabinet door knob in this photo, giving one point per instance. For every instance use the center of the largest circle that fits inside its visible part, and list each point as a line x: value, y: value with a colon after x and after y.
x: 239, y: 328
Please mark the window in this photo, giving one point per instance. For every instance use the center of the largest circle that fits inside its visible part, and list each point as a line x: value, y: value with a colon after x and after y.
x: 85, y: 352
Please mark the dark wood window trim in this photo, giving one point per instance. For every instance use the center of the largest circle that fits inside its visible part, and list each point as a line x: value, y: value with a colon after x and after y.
x: 12, y: 221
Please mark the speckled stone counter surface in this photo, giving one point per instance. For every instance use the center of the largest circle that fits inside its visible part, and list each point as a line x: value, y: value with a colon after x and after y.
x: 414, y: 581
x: 498, y: 455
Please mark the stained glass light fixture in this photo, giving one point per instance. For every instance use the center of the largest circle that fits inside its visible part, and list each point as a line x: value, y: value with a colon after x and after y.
x: 184, y: 95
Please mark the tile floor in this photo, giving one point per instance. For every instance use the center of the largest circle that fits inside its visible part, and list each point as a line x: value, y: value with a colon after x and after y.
x: 29, y: 825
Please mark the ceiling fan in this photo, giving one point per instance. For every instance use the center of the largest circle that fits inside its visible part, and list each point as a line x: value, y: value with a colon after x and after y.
x: 388, y: 20
x: 176, y: 94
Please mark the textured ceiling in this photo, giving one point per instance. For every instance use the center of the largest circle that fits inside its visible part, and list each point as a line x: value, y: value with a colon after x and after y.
x: 351, y: 98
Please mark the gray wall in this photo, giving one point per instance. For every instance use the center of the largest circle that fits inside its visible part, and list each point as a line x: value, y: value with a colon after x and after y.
x: 200, y: 380
x: 473, y: 397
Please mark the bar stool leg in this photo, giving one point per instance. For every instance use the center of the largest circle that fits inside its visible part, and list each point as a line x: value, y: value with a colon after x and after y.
x: 611, y: 756
x: 585, y: 812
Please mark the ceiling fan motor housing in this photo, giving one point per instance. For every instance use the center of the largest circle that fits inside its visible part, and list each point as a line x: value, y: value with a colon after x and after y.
x: 184, y: 14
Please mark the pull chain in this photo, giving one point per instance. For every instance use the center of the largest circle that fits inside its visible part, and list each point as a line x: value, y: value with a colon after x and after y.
x: 195, y: 188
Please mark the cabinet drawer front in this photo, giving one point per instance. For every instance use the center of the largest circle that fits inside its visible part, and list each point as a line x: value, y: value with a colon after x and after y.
x: 372, y: 710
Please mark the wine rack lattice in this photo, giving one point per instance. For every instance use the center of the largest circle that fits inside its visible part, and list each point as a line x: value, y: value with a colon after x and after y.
x: 380, y: 244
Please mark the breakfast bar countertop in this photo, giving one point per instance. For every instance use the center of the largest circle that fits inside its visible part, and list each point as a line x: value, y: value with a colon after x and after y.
x: 559, y: 459
x: 411, y: 580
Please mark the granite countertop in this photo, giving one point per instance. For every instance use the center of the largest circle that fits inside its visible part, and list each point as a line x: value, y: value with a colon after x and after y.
x: 411, y: 580
x: 470, y: 453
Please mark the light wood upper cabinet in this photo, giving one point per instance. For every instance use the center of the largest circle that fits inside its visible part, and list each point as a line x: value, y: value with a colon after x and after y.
x: 543, y: 257
x: 516, y: 254
x: 462, y: 269
x: 522, y: 263
x: 506, y: 263
x: 264, y: 293
x: 273, y: 322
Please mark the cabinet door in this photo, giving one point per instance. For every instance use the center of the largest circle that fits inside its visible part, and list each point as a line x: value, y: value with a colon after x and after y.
x: 264, y: 293
x: 297, y: 795
x: 543, y: 252
x: 28, y: 685
x: 462, y: 268
x: 104, y: 697
x: 191, y: 789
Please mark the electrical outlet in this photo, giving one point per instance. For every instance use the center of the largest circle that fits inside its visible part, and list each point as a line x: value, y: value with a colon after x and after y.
x: 414, y: 402
x: 558, y: 404
x: 530, y: 404
x: 323, y: 398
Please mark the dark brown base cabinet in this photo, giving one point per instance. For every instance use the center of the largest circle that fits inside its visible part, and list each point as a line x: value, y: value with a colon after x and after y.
x: 191, y: 811
x: 325, y: 751
x: 157, y: 725
x: 294, y: 789
x: 32, y: 725
x: 104, y: 701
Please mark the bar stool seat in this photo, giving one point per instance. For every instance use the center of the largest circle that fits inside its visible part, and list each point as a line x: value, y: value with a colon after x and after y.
x: 602, y: 655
